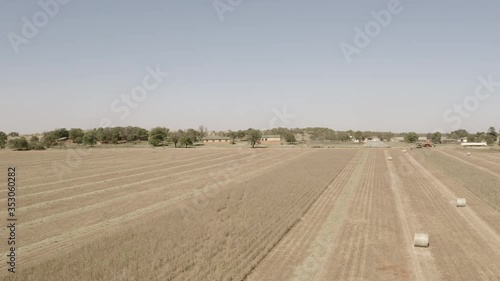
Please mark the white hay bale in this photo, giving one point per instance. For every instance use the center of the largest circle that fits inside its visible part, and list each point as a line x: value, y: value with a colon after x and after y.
x: 404, y: 150
x: 389, y: 158
x: 468, y: 153
x: 421, y: 240
x: 461, y: 202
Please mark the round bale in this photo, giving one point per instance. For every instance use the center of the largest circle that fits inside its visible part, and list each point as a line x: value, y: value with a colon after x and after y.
x: 404, y: 150
x: 421, y: 240
x: 389, y: 158
x: 468, y: 153
x: 461, y: 202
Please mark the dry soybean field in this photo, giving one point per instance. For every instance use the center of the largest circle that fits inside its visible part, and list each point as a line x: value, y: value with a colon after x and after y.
x: 253, y: 214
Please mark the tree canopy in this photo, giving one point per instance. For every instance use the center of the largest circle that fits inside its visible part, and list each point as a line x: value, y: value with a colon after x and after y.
x: 19, y: 144
x: 89, y: 138
x: 158, y: 136
x: 3, y: 139
x: 253, y: 136
x: 411, y: 137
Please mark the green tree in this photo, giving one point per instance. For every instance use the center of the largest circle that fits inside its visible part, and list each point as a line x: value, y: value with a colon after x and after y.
x: 240, y: 134
x: 100, y: 135
x: 253, y: 136
x: 388, y: 136
x: 3, y: 139
x: 35, y: 143
x: 381, y: 136
x: 79, y: 140
x: 13, y: 134
x: 49, y: 139
x: 19, y: 144
x: 76, y: 135
x: 61, y: 133
x: 458, y: 134
x: 116, y: 135
x: 358, y: 135
x: 492, y: 132
x: 233, y: 136
x: 186, y: 139
x: 471, y: 138
x: 175, y: 138
x: 202, y: 131
x: 290, y: 137
x: 89, y: 138
x: 158, y: 136
x: 490, y: 139
x: 343, y: 136
x: 194, y: 135
x: 135, y: 134
x: 436, y: 137
x: 411, y: 137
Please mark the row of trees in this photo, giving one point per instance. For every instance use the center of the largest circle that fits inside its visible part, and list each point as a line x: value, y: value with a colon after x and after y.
x: 327, y: 134
x: 23, y: 144
x: 161, y: 136
x: 104, y: 135
x: 490, y: 136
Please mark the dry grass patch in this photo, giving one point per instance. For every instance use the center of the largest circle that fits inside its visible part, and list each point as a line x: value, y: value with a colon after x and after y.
x: 223, y: 241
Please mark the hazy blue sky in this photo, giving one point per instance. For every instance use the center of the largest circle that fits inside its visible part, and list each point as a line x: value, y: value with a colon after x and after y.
x: 262, y: 57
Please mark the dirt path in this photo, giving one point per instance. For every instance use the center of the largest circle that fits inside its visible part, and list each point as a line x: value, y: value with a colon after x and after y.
x: 421, y: 261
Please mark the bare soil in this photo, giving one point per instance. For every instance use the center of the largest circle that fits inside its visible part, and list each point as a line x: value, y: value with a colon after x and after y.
x: 255, y: 214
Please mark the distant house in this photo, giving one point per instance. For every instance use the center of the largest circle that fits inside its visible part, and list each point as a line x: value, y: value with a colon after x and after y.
x: 216, y: 140
x: 464, y: 139
x: 270, y: 139
x: 397, y: 139
x: 64, y: 141
x: 372, y: 139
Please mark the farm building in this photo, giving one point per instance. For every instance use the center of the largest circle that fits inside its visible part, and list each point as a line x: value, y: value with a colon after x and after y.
x: 64, y: 141
x: 270, y: 139
x: 473, y: 144
x: 398, y: 139
x: 216, y: 140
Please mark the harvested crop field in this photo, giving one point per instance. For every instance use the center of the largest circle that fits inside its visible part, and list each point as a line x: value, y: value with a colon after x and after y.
x: 254, y: 214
